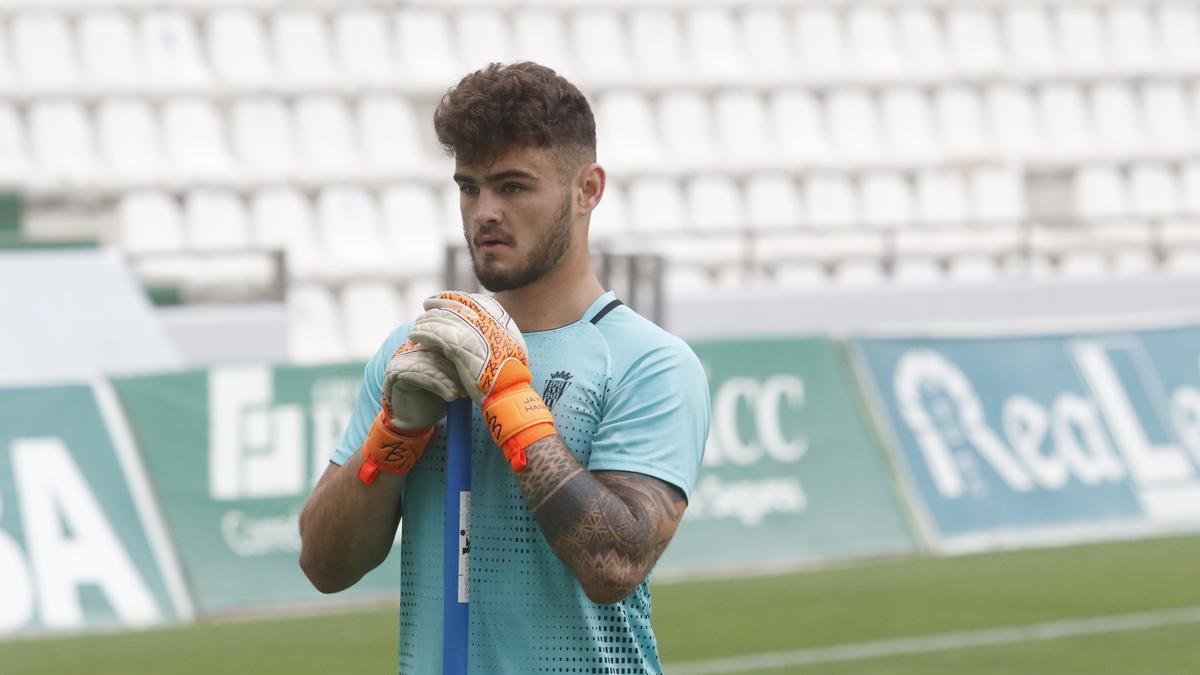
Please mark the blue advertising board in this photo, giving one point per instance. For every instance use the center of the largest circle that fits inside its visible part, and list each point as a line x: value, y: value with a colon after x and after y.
x: 1019, y: 439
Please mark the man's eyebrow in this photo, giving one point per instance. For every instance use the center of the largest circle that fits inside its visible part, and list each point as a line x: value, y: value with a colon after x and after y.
x: 497, y: 177
x: 510, y: 173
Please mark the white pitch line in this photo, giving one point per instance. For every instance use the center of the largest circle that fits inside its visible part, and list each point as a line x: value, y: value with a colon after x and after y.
x: 857, y: 651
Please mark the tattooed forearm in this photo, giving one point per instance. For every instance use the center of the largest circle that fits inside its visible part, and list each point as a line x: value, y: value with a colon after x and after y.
x: 609, y: 527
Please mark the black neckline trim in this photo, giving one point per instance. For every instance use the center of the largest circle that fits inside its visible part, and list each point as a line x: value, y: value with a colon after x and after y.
x: 604, y: 312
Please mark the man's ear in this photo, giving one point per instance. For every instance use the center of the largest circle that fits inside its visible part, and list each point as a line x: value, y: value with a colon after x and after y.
x: 590, y: 187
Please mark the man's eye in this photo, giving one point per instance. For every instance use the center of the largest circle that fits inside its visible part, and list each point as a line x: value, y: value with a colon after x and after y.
x: 468, y: 189
x: 510, y: 188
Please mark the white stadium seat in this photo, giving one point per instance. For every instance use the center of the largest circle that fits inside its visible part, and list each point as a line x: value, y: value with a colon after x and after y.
x: 798, y: 126
x: 908, y: 123
x: 1014, y: 121
x: 961, y: 121
x: 1179, y: 34
x: 1081, y: 37
x: 426, y: 49
x: 922, y: 40
x: 942, y: 196
x: 973, y: 269
x: 1154, y: 190
x: 917, y: 271
x: 601, y: 47
x: 414, y: 228
x: 742, y: 127
x: 263, y: 138
x: 715, y: 50
x: 282, y: 219
x: 656, y: 43
x: 766, y: 36
x: 351, y: 233
x: 821, y: 39
x: 610, y: 218
x: 43, y: 50
x: 887, y: 200
x: 685, y: 122
x: 483, y: 38
x: 171, y: 49
x: 1189, y: 180
x: 853, y: 123
x: 237, y: 47
x: 302, y: 48
x: 365, y: 52
x: 872, y: 38
x: 370, y: 311
x: 315, y: 326
x: 388, y: 132
x: 195, y: 138
x: 540, y: 35
x: 1030, y: 41
x: 974, y: 38
x: 62, y: 139
x: 325, y: 135
x: 997, y: 194
x: 130, y: 140
x: 1115, y: 113
x: 108, y: 48
x: 773, y: 201
x: 1169, y: 120
x: 149, y: 222
x: 715, y: 203
x: 14, y: 156
x: 626, y: 131
x: 1065, y: 119
x: 1100, y: 193
x: 216, y: 220
x: 1132, y: 36
x: 657, y: 204
x: 831, y: 201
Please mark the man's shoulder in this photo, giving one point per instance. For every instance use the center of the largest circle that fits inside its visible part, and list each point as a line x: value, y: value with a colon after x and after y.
x: 633, y: 339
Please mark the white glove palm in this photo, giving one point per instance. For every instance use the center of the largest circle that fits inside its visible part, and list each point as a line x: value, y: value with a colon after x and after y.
x: 476, y: 334
x: 417, y: 385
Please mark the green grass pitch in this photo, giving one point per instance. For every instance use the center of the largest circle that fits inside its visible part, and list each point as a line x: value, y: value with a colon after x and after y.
x: 702, y: 620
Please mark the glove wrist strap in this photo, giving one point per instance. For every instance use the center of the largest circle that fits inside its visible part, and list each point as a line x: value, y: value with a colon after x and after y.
x: 391, y: 450
x: 517, y: 418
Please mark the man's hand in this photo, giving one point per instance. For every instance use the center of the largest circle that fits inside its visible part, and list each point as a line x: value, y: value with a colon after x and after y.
x: 488, y: 352
x: 417, y: 385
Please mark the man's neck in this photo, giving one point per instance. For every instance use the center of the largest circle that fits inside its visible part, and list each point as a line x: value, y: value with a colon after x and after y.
x: 557, y: 299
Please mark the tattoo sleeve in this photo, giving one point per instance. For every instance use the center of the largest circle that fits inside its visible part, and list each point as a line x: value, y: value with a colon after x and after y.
x: 608, y: 527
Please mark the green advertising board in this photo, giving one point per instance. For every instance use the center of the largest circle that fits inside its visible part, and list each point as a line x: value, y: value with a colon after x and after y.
x: 79, y: 543
x: 233, y: 453
x: 792, y: 470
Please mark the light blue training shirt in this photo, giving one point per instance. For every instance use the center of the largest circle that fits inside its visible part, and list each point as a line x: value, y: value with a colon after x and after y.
x: 626, y: 396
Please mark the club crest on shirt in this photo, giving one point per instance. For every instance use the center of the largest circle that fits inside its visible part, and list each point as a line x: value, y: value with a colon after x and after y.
x: 555, y: 387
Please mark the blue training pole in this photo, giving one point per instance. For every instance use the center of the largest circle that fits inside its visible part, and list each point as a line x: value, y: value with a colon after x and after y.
x: 455, y: 618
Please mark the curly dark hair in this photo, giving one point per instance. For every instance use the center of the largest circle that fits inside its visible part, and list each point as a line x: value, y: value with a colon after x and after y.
x: 501, y: 107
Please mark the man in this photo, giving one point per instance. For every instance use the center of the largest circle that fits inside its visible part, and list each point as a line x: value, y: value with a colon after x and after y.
x: 600, y: 416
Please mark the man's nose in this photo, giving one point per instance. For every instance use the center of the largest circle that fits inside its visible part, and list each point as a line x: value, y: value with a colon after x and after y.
x: 487, y: 209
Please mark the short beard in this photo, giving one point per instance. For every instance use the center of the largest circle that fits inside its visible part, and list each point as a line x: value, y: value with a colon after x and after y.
x: 547, y: 254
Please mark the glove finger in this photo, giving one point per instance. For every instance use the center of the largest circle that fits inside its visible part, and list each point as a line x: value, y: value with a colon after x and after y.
x: 422, y: 368
x: 444, y: 331
x: 433, y: 373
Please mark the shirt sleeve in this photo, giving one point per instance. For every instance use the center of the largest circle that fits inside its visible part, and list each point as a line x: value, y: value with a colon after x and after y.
x: 367, y: 407
x: 656, y: 419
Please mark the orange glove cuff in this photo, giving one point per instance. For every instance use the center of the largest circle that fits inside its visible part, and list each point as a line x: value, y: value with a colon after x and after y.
x: 391, y: 450
x: 517, y: 418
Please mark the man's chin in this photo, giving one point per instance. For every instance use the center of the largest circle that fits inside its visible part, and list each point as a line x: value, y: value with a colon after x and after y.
x: 495, y: 280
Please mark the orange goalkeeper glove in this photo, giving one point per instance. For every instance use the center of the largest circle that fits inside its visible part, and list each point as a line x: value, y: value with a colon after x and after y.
x: 486, y: 348
x: 417, y: 384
